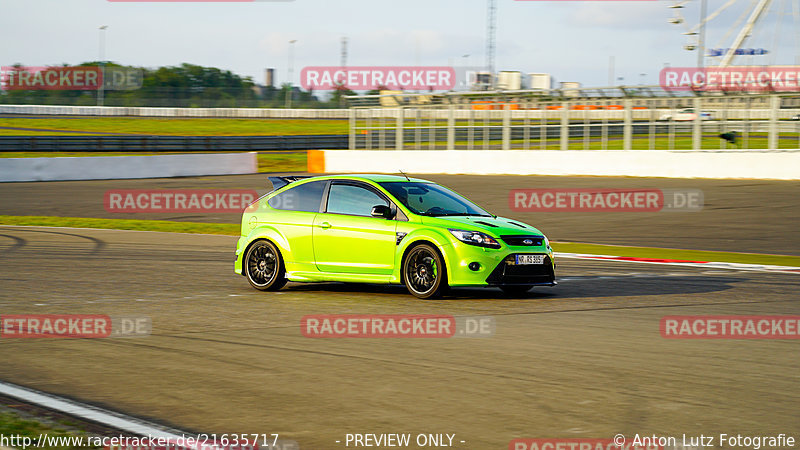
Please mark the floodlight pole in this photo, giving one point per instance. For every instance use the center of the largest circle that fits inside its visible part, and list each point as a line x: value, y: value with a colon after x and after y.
x: 102, y: 86
x: 291, y: 73
x: 701, y: 38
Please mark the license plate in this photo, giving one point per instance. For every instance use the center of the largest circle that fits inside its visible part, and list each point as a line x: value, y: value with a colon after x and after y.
x: 530, y: 259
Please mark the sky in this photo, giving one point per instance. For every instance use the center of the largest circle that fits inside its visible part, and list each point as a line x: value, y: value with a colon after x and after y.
x: 571, y: 40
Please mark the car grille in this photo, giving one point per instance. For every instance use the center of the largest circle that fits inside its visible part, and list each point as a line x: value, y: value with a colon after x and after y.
x: 509, y: 273
x: 520, y: 241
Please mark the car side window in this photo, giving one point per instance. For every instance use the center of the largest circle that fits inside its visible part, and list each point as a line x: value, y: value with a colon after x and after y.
x: 304, y: 197
x: 353, y: 200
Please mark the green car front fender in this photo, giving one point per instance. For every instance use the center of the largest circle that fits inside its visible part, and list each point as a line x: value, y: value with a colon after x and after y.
x: 457, y: 257
x: 422, y: 235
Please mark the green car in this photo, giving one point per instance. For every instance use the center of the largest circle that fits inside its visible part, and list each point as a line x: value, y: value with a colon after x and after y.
x: 386, y: 229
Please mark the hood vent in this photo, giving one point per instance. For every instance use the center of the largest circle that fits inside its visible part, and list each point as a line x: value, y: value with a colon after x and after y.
x: 486, y: 223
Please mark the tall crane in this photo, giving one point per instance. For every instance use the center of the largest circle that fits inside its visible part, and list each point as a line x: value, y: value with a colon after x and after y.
x: 491, y: 32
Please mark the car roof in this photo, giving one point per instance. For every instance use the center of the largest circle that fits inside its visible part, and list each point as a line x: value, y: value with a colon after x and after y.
x: 376, y: 178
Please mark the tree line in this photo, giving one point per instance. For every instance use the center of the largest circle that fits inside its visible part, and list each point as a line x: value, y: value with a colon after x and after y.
x: 186, y: 86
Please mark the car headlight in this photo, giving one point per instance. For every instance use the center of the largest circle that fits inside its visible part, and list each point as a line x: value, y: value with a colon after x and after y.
x: 475, y: 238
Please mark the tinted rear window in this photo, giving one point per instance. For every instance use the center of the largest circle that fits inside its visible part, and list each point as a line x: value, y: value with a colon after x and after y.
x: 305, y: 197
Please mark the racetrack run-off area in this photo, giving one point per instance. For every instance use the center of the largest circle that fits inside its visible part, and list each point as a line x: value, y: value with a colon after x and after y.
x: 583, y: 359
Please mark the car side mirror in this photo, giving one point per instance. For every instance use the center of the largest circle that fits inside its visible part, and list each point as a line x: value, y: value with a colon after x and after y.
x: 382, y: 211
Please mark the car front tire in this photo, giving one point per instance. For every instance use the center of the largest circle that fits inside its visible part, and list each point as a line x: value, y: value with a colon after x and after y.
x: 424, y: 272
x: 263, y: 266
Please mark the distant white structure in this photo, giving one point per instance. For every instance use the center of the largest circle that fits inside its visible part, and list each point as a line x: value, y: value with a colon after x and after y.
x: 570, y: 88
x: 509, y: 80
x: 540, y: 81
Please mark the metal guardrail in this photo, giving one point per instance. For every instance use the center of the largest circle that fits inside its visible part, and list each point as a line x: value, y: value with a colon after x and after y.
x: 169, y: 143
x: 652, y: 94
x: 619, y: 124
x: 541, y: 137
x: 141, y: 111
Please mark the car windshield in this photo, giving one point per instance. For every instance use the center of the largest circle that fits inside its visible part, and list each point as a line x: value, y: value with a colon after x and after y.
x: 429, y: 199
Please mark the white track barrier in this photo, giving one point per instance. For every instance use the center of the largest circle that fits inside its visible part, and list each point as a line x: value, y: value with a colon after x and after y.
x: 745, y: 164
x: 121, y: 167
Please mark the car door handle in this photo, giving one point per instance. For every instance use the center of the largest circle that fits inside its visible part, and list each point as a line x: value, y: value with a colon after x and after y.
x: 325, y: 225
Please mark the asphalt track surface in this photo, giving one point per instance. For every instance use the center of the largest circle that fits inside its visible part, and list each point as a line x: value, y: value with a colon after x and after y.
x: 584, y: 359
x: 755, y: 216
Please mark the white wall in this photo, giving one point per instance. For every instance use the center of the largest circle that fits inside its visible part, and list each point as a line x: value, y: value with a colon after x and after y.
x: 120, y: 167
x: 752, y: 164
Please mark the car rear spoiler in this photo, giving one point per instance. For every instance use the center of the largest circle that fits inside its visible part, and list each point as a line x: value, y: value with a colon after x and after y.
x: 279, y: 182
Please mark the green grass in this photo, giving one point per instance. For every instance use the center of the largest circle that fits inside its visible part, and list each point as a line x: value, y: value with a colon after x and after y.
x: 12, y: 424
x: 567, y: 247
x: 267, y: 162
x: 170, y: 127
x: 282, y: 162
x: 6, y: 132
x: 230, y: 229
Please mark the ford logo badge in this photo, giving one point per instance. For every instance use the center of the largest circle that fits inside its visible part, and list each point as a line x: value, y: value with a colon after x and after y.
x: 527, y: 242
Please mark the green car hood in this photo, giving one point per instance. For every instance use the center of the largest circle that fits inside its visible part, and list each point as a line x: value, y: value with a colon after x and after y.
x: 494, y: 226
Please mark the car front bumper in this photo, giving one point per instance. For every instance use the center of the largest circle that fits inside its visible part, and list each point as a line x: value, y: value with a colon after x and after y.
x: 237, y: 264
x: 508, y: 273
x: 497, y: 267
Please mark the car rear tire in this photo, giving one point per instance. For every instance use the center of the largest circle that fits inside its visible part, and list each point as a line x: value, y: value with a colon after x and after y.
x: 263, y: 266
x: 515, y: 289
x: 424, y: 272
